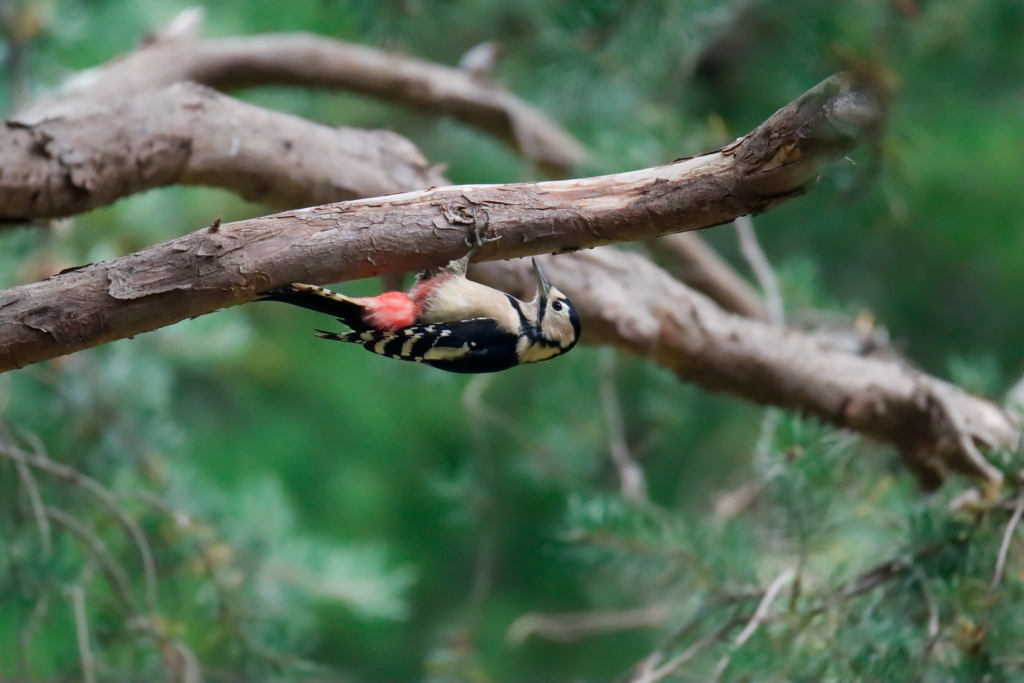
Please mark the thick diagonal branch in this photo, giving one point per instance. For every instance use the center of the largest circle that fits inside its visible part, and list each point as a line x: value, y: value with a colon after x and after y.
x: 226, y: 265
x: 191, y: 135
x: 176, y: 55
x: 627, y: 302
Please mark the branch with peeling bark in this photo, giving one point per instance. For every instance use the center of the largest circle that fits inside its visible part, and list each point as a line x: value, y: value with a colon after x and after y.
x: 226, y: 265
x: 624, y: 300
x: 175, y: 54
x: 294, y: 163
x: 627, y: 302
x: 190, y: 135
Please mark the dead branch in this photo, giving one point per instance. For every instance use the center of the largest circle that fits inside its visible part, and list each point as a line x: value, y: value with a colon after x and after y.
x: 187, y: 134
x: 632, y: 482
x: 175, y: 54
x: 572, y: 626
x: 690, y: 259
x: 762, y: 268
x: 28, y: 480
x: 1004, y: 547
x: 760, y: 614
x: 627, y: 302
x: 82, y: 632
x: 229, y: 264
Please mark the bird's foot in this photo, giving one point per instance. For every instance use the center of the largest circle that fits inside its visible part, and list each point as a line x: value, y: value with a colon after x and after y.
x: 476, y: 241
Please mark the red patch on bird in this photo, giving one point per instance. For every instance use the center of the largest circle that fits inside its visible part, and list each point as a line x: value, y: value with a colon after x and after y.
x: 390, y: 311
x: 422, y: 290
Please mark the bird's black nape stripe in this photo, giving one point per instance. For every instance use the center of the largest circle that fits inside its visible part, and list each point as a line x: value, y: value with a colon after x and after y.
x: 524, y: 324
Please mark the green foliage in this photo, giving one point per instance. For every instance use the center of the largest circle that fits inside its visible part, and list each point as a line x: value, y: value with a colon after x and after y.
x: 315, y: 513
x: 887, y: 585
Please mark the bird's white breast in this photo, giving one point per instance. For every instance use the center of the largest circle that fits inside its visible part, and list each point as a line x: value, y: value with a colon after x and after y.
x: 462, y: 299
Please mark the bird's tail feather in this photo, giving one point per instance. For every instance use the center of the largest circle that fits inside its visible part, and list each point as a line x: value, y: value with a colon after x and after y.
x: 311, y: 297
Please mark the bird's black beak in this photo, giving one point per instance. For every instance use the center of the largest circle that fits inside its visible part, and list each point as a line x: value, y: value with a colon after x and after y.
x: 543, y: 286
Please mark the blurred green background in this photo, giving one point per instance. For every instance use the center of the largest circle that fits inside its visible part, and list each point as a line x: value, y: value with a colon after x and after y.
x: 423, y: 524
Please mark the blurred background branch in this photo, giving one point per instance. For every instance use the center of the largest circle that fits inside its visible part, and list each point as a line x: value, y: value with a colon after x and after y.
x: 174, y: 54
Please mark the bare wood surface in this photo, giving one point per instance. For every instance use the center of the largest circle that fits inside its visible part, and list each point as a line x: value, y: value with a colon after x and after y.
x: 191, y: 135
x: 175, y: 54
x: 226, y: 265
x: 627, y: 302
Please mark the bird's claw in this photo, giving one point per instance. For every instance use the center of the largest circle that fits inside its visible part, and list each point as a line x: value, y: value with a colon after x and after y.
x: 477, y: 240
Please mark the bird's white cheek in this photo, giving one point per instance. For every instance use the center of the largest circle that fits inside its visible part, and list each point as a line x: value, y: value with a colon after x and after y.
x: 558, y: 327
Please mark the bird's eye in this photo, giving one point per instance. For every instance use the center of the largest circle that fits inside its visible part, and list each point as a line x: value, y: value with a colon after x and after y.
x: 556, y: 306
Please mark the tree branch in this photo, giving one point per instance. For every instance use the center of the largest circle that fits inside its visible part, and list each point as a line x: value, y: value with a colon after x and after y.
x: 227, y: 265
x: 627, y: 302
x: 691, y: 260
x: 187, y: 134
x: 175, y: 54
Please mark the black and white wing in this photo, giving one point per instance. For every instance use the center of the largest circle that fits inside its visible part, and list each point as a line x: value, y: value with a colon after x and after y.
x: 467, y: 346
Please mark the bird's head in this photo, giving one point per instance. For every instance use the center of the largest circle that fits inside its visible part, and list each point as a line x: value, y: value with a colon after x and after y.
x: 557, y: 321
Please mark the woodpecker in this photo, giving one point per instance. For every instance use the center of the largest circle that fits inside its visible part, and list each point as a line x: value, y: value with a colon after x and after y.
x: 448, y: 321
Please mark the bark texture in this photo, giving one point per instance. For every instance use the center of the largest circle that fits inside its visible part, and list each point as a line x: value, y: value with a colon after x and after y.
x: 627, y: 302
x: 175, y: 54
x: 313, y: 173
x: 230, y: 264
x: 188, y: 134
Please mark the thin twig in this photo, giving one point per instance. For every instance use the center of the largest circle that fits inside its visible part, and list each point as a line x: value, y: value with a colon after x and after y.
x: 879, y: 574
x: 27, y: 633
x: 82, y: 631
x: 677, y: 636
x: 191, y: 671
x: 968, y: 449
x: 645, y: 668
x: 1014, y: 401
x: 32, y: 489
x: 760, y: 614
x: 649, y: 672
x: 76, y: 478
x: 759, y: 264
x: 766, y: 603
x: 632, y: 483
x: 575, y: 626
x: 933, y: 610
x: 115, y: 575
x: 229, y: 611
x: 687, y: 655
x: 1004, y: 549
